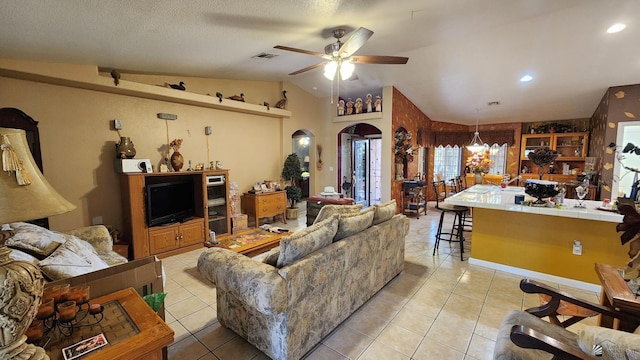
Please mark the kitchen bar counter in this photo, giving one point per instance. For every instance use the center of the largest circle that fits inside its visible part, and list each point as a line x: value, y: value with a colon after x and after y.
x: 538, y: 241
x: 497, y: 198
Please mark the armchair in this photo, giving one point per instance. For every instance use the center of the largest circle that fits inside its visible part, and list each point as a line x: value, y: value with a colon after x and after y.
x: 523, y: 335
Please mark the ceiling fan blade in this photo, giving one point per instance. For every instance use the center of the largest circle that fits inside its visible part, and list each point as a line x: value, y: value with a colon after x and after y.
x: 355, y: 42
x: 308, y: 52
x: 374, y: 59
x: 308, y: 68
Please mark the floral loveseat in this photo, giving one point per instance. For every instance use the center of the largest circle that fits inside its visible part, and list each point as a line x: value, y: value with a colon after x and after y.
x: 310, y: 284
x: 63, y: 255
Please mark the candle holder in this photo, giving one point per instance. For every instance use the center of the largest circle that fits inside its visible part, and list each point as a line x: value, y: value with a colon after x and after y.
x: 63, y: 309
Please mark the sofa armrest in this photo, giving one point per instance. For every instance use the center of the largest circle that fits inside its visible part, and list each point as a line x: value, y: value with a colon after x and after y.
x: 97, y: 235
x: 258, y: 285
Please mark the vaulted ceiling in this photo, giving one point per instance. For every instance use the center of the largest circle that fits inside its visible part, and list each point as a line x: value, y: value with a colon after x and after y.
x: 463, y: 54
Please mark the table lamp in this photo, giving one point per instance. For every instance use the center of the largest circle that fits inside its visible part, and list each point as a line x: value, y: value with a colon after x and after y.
x: 25, y: 195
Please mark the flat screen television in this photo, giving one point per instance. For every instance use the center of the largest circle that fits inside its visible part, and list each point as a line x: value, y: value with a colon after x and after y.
x: 169, y: 202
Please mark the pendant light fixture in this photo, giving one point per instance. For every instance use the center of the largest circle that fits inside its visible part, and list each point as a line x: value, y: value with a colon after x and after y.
x: 476, y: 143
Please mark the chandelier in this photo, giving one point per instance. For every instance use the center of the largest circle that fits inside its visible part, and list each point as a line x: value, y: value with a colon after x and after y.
x: 476, y: 144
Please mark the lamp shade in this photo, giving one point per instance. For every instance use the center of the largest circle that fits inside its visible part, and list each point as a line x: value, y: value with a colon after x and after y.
x: 306, y: 159
x: 25, y: 202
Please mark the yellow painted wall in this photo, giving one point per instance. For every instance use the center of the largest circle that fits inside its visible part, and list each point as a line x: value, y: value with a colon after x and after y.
x: 544, y: 243
x: 78, y: 146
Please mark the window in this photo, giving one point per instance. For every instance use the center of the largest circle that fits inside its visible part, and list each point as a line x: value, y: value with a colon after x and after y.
x: 498, y: 154
x: 447, y: 162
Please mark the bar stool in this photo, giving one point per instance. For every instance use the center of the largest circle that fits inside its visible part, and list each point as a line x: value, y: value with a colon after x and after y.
x: 440, y: 189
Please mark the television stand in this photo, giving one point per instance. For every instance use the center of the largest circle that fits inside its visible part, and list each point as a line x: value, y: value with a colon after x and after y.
x: 185, y: 234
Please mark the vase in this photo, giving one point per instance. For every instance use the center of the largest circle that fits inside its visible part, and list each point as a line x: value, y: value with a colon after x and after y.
x: 477, y: 177
x: 399, y: 171
x: 125, y: 149
x: 177, y: 161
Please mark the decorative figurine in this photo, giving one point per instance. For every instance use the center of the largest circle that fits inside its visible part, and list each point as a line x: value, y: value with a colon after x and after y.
x: 349, y: 106
x: 378, y: 103
x: 340, y: 107
x: 358, y: 106
x: 369, y: 103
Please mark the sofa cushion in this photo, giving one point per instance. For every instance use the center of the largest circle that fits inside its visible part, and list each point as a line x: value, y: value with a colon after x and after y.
x: 34, y: 240
x: 74, y: 257
x: 306, y: 241
x: 614, y: 343
x: 351, y: 224
x: 384, y: 211
x: 328, y: 210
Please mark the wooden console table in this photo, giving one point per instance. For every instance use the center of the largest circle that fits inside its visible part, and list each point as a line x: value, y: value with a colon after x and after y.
x: 152, y: 332
x: 266, y: 204
x: 616, y: 294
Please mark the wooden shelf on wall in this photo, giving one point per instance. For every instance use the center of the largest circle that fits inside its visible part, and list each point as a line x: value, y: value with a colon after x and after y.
x: 358, y: 117
x: 96, y: 82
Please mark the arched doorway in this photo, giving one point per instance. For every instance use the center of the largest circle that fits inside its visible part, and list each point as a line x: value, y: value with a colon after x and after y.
x: 301, y: 143
x: 360, y: 159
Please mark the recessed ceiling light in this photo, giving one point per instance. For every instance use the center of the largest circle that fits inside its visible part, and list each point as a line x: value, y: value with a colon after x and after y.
x: 616, y: 28
x: 526, y: 78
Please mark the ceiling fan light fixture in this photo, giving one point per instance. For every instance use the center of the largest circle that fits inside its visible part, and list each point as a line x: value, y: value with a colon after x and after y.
x: 330, y: 69
x: 346, y: 69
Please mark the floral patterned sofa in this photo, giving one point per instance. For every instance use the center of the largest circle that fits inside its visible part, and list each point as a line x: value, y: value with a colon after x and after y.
x: 318, y: 276
x: 63, y: 255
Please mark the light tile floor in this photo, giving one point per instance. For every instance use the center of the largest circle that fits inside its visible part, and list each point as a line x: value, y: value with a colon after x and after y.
x: 438, y: 308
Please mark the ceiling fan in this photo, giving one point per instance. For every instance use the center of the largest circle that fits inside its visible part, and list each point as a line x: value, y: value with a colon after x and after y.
x: 339, y: 56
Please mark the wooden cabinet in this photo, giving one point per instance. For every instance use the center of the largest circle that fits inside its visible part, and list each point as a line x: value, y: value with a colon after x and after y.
x: 414, y: 198
x: 175, y: 238
x: 572, y: 148
x: 265, y: 204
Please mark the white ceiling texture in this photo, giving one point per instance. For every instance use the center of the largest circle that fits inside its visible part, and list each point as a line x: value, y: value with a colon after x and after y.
x: 462, y: 54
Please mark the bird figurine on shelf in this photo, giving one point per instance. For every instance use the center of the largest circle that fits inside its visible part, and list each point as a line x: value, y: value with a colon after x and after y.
x: 282, y: 102
x: 219, y: 96
x: 179, y: 86
x: 266, y: 104
x: 237, y: 98
x: 116, y: 76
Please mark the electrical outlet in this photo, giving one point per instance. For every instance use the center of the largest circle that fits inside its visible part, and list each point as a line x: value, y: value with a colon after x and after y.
x: 117, y: 124
x: 577, y: 247
x: 97, y: 220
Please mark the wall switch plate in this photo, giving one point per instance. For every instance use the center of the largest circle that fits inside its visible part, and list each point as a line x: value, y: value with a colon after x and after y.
x: 577, y: 247
x: 117, y: 124
x: 207, y: 130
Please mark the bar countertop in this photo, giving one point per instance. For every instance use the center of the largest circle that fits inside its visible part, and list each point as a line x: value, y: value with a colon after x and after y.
x: 497, y: 198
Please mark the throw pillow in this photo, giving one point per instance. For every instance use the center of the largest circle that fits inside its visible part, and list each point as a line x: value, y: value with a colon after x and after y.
x: 271, y: 257
x: 34, y: 240
x: 23, y: 256
x: 328, y: 210
x: 384, y: 212
x: 354, y: 223
x: 306, y: 241
x: 614, y: 343
x: 74, y: 257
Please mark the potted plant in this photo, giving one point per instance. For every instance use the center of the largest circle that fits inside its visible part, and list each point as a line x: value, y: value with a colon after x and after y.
x: 291, y: 172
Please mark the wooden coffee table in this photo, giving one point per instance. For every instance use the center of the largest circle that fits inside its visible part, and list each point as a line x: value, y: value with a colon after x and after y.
x: 132, y: 329
x: 250, y: 242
